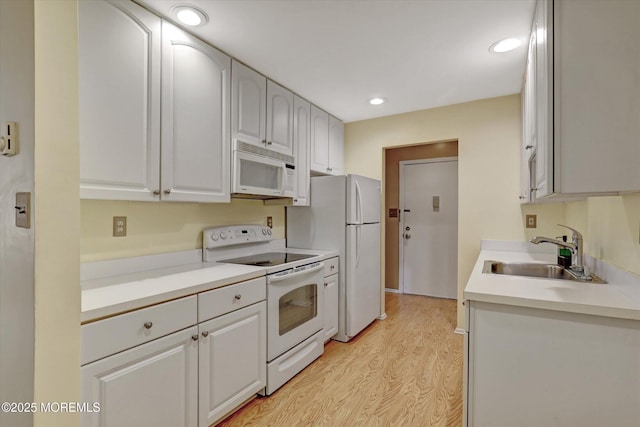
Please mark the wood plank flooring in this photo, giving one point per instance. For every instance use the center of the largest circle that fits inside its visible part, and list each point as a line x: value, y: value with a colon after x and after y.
x: 402, y: 371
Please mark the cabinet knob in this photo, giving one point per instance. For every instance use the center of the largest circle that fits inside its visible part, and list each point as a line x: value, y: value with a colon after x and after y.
x: 167, y: 191
x: 238, y: 297
x: 205, y: 334
x: 194, y: 337
x: 148, y: 325
x: 527, y: 147
x: 156, y: 193
x: 521, y: 197
x: 329, y: 169
x: 264, y: 141
x: 269, y: 142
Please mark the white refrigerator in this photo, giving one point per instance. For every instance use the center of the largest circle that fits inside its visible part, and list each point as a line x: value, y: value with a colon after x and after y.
x: 344, y: 216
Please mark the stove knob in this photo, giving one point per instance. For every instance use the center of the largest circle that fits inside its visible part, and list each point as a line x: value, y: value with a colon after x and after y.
x: 264, y: 231
x: 269, y: 231
x: 223, y: 235
x: 214, y: 237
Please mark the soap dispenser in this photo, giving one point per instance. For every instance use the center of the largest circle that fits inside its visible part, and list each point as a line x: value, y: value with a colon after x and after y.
x: 564, y: 255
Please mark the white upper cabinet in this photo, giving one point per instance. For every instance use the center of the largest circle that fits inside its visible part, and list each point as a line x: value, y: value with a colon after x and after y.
x: 279, y: 119
x: 248, y: 105
x: 327, y: 143
x: 120, y: 46
x: 587, y: 99
x: 319, y: 140
x: 262, y: 111
x: 196, y: 82
x: 301, y: 140
x: 336, y: 146
x: 119, y: 100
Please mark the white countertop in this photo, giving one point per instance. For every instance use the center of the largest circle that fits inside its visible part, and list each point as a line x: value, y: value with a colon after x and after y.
x: 107, y: 296
x: 620, y: 297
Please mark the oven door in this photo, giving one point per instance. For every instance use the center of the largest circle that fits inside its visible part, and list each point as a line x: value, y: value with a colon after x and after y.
x: 253, y: 174
x: 295, y: 307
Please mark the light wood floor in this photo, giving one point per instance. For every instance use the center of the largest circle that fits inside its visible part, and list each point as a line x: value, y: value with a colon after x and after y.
x: 402, y: 371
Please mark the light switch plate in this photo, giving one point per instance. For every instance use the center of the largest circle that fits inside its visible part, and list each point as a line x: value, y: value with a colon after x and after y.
x: 531, y: 221
x: 23, y: 210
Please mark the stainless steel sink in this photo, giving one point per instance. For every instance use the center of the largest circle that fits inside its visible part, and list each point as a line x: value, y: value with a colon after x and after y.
x: 545, y: 271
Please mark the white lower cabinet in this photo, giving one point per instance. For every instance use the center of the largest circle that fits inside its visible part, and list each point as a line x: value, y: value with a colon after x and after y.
x: 154, y: 384
x: 159, y: 367
x: 232, y: 360
x: 331, y: 298
x: 535, y: 367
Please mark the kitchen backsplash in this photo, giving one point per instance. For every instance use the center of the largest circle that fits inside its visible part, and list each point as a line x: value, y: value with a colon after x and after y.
x: 163, y: 227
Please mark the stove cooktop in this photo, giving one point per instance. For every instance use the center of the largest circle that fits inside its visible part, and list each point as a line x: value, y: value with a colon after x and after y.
x: 268, y: 259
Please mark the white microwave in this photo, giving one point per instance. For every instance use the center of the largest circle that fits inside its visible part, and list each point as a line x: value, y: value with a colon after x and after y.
x: 268, y: 173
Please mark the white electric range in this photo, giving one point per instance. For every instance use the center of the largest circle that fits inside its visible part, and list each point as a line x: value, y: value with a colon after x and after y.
x: 295, y: 294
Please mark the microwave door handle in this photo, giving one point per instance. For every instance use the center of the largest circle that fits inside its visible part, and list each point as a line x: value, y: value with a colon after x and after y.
x: 283, y: 177
x: 274, y: 279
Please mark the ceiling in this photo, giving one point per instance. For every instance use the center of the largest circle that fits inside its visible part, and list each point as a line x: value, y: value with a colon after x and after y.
x: 417, y: 54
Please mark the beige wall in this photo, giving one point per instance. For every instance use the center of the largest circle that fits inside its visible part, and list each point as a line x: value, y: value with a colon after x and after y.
x: 164, y: 227
x: 611, y: 229
x: 489, y: 135
x: 57, y: 210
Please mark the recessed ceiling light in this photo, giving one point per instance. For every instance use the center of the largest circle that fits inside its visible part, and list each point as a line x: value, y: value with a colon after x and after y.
x: 376, y: 101
x: 190, y: 15
x: 505, y: 45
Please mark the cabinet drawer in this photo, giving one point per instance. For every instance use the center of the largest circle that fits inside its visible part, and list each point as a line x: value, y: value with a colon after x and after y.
x: 331, y: 266
x: 229, y: 298
x: 118, y: 333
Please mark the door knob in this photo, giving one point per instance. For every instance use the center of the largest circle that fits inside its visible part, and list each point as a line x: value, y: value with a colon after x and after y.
x: 407, y: 236
x: 407, y: 228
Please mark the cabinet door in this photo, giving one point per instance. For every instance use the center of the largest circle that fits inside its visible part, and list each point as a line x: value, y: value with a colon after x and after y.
x: 155, y: 384
x: 248, y: 105
x: 301, y: 141
x: 531, y: 367
x: 543, y: 144
x: 319, y: 140
x: 336, y: 146
x: 195, y: 119
x: 597, y: 96
x: 232, y: 361
x: 119, y: 100
x: 279, y: 119
x: 330, y: 306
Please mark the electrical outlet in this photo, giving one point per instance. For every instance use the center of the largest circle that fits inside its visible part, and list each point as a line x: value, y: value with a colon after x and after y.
x: 119, y: 226
x: 531, y: 221
x: 270, y: 222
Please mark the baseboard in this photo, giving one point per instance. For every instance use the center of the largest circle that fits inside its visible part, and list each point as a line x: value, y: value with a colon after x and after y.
x: 459, y: 331
x: 392, y: 291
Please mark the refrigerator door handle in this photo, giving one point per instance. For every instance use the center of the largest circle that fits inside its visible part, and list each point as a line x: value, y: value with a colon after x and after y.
x: 358, y: 203
x: 358, y: 233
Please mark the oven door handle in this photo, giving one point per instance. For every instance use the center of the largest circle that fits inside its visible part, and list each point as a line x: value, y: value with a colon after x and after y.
x: 273, y: 279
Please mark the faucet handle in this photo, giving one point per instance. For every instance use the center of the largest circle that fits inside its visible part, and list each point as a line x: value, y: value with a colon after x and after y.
x: 576, y: 233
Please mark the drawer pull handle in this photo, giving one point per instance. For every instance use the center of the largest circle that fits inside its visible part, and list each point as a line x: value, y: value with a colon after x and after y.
x: 238, y: 297
x: 148, y: 325
x: 194, y: 337
x: 205, y: 334
x: 333, y: 267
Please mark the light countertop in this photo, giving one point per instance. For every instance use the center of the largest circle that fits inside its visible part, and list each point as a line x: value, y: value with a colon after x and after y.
x: 619, y: 298
x: 119, y: 293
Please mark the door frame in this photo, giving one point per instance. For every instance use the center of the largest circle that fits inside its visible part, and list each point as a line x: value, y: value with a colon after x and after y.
x: 401, y: 206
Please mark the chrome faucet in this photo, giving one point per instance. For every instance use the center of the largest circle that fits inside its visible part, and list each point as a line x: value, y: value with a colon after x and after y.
x: 577, y: 265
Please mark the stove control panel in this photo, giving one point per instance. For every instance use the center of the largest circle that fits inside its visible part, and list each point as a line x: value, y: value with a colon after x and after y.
x: 216, y: 237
